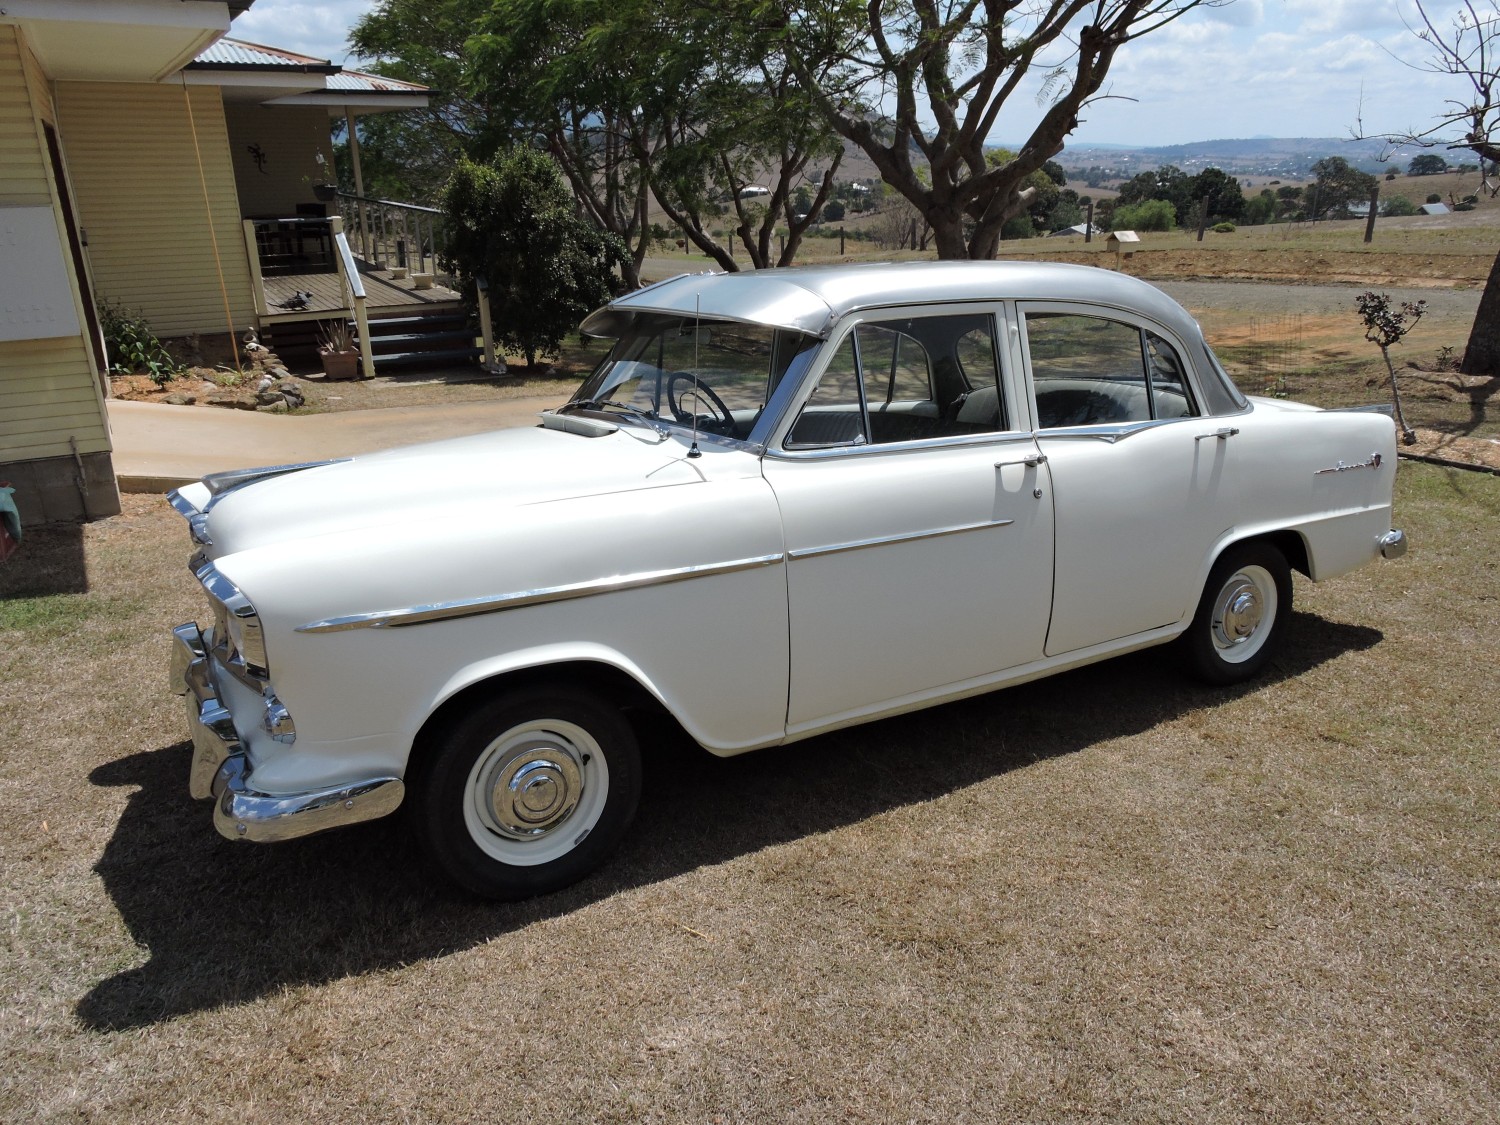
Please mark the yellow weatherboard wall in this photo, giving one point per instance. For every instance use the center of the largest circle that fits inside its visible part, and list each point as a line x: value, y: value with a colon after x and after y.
x: 51, y: 412
x: 132, y: 162
x: 288, y: 140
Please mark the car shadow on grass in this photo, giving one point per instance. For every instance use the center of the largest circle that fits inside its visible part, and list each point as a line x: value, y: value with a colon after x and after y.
x: 226, y: 923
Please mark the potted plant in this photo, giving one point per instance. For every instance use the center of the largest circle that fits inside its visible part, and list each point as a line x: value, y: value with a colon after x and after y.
x: 337, y: 350
x: 325, y: 187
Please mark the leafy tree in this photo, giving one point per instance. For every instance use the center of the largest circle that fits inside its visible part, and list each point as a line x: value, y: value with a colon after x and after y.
x: 1337, y: 185
x: 1399, y: 205
x: 1386, y: 325
x: 1168, y: 183
x: 512, y: 221
x: 675, y: 101
x: 915, y: 81
x: 409, y: 155
x: 1468, y: 50
x: 1260, y: 209
x: 1220, y: 192
x: 1153, y: 214
x: 1427, y: 164
x: 1068, y: 212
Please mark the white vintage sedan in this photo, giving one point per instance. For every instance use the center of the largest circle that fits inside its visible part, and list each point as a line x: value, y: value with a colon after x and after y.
x: 788, y: 501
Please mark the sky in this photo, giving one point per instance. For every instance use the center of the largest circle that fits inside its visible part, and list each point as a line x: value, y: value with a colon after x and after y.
x: 1251, y: 68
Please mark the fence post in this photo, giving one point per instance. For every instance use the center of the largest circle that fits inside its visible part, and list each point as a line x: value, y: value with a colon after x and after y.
x: 486, y: 329
x: 1374, y: 207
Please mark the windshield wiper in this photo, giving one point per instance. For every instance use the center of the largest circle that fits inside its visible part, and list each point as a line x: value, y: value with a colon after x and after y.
x: 649, y: 416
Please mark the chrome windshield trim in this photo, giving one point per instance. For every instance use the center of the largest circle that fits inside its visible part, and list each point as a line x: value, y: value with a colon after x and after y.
x: 887, y: 540
x: 498, y: 603
x: 1109, y: 433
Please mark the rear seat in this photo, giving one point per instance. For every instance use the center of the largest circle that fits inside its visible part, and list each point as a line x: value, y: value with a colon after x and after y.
x: 1089, y: 402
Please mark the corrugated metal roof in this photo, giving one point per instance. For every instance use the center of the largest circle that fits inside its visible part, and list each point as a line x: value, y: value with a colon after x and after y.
x: 237, y: 52
x: 357, y: 81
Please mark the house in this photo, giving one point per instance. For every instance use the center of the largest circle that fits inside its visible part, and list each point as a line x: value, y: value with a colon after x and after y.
x: 148, y: 161
x: 1075, y: 230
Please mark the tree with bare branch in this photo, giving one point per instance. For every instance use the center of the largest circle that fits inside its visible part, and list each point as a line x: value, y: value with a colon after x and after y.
x: 914, y: 82
x: 1467, y: 50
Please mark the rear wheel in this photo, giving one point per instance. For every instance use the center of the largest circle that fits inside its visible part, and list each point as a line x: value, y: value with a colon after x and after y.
x: 529, y: 791
x: 1241, y: 616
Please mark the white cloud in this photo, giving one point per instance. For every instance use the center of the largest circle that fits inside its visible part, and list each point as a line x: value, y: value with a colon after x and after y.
x: 1334, y: 17
x: 1238, y: 13
x: 320, y: 29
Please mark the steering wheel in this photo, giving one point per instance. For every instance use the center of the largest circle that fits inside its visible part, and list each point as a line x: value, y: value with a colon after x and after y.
x: 724, y: 419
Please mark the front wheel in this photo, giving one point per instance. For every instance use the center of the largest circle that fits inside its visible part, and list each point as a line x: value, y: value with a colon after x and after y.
x: 1241, y: 615
x: 529, y: 791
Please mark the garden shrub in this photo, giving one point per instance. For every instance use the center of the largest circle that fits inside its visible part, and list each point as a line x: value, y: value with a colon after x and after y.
x: 131, y: 345
x: 1152, y: 214
x: 513, y: 222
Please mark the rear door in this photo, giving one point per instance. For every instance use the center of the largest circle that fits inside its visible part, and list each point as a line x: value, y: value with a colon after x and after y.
x: 1144, y: 486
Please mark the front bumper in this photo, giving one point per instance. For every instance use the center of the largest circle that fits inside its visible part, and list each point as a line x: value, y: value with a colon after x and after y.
x: 221, y: 768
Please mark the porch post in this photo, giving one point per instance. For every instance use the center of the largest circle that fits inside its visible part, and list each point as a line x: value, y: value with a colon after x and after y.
x: 359, y: 182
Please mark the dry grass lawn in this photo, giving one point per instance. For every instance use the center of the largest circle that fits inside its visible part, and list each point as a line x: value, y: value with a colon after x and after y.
x: 1109, y: 896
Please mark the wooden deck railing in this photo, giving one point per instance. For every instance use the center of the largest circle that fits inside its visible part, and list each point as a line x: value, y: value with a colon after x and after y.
x: 387, y: 233
x: 354, y: 288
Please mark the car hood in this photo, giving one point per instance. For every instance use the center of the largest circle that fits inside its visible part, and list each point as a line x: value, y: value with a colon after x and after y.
x: 474, y: 478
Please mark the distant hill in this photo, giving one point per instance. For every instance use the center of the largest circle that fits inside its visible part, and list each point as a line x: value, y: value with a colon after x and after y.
x: 1289, y: 156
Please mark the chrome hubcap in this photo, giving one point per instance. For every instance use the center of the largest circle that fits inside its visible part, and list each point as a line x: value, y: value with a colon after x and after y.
x: 532, y: 788
x: 1242, y: 611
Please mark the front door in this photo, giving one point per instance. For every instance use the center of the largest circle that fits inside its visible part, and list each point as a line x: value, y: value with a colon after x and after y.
x: 918, y: 522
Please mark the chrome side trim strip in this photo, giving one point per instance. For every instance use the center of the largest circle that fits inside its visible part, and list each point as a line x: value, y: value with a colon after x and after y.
x: 1112, y: 434
x: 229, y: 479
x: 498, y: 603
x: 1373, y: 461
x: 890, y: 448
x: 887, y: 540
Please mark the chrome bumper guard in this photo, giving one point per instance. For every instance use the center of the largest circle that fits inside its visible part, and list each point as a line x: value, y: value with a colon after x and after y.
x: 221, y: 769
x: 1392, y: 544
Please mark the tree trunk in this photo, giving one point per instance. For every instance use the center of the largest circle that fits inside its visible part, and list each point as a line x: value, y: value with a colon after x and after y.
x: 1482, y: 355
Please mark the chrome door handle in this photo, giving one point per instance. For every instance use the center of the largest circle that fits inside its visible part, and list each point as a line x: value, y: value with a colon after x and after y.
x: 1226, y: 432
x: 1031, y: 461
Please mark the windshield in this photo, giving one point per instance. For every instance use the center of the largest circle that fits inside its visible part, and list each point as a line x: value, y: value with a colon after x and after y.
x: 717, y: 375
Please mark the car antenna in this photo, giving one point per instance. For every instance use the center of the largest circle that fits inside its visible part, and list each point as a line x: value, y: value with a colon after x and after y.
x: 694, y: 451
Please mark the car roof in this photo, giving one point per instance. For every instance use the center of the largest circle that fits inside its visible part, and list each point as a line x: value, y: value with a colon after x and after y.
x: 812, y: 299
